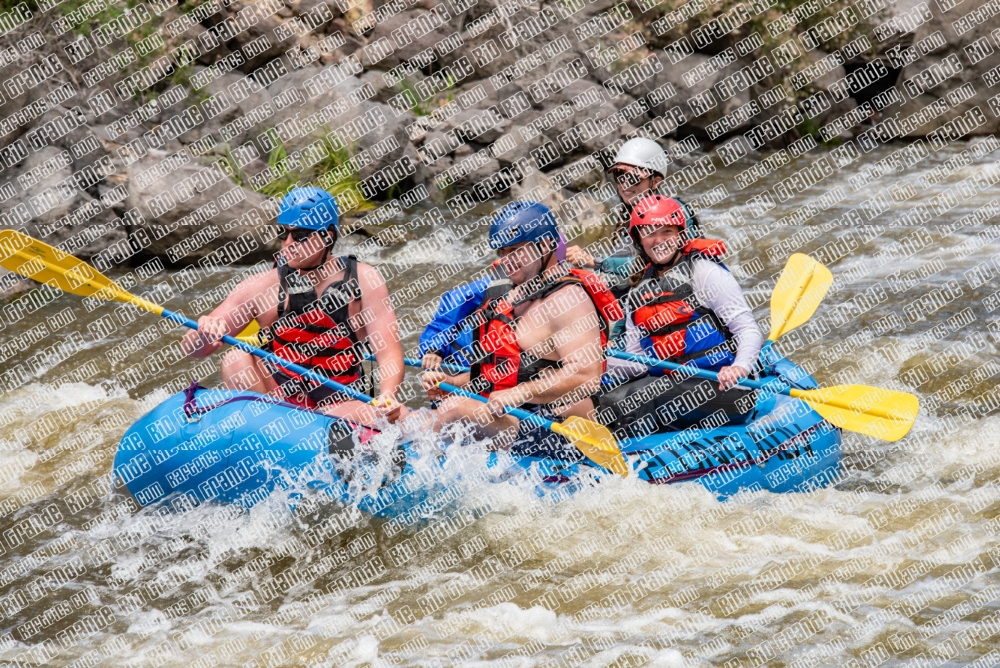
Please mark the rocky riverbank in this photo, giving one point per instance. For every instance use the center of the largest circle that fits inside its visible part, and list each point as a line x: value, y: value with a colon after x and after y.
x: 139, y: 129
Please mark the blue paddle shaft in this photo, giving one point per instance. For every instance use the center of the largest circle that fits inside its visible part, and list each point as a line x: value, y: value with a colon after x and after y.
x: 768, y: 385
x: 274, y: 359
x: 773, y: 385
x: 413, y: 361
x: 536, y: 420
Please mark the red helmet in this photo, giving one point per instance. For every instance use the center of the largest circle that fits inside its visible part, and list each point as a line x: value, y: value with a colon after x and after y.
x: 658, y: 210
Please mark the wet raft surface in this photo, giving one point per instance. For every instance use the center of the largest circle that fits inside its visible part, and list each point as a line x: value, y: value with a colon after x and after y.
x: 223, y: 446
x: 899, y: 559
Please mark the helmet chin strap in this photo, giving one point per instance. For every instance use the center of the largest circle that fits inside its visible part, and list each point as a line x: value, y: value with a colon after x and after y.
x: 541, y: 283
x: 669, y: 263
x: 548, y: 258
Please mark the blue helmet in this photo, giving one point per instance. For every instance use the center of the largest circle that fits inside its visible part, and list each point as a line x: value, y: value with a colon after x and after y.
x: 309, y: 208
x: 523, y: 221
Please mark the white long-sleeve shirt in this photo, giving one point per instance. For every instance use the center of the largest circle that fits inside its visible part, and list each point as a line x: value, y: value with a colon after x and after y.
x: 715, y: 288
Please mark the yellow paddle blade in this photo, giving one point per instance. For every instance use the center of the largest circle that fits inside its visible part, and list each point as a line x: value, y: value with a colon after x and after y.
x: 595, y: 441
x: 33, y: 259
x: 873, y: 411
x: 251, y: 334
x: 801, y: 287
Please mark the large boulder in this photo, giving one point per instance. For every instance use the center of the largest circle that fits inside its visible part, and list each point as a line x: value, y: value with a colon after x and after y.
x: 253, y: 105
x: 401, y: 37
x: 270, y: 37
x: 933, y: 87
x: 590, y: 109
x: 50, y: 204
x: 17, y: 105
x: 694, y: 80
x: 194, y: 210
x: 576, y: 212
x: 373, y: 133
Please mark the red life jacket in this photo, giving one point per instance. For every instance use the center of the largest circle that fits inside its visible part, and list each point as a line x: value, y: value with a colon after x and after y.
x: 316, y: 332
x: 676, y: 326
x: 501, y: 364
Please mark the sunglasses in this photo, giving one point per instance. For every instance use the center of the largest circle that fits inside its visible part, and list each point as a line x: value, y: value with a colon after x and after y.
x: 299, y: 235
x: 627, y: 179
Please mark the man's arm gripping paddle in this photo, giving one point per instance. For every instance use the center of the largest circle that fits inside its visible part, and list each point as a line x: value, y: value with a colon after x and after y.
x: 33, y: 259
x: 592, y: 439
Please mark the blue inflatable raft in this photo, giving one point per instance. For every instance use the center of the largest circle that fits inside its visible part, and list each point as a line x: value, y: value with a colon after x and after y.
x: 239, y: 447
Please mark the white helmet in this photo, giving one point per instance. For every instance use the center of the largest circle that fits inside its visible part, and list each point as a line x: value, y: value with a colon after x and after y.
x: 643, y: 153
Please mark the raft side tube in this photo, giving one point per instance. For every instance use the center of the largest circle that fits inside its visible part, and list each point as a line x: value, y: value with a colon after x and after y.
x: 240, y: 447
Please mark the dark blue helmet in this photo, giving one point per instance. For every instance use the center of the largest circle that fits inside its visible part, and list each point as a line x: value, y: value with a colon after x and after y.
x: 523, y: 221
x: 309, y: 208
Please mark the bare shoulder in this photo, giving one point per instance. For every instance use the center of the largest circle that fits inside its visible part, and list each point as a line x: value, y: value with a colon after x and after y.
x: 253, y: 288
x: 369, y: 277
x: 257, y: 283
x: 571, y: 298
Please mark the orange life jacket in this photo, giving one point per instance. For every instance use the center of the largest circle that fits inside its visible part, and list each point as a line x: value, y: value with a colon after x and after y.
x: 676, y: 327
x: 316, y: 332
x: 501, y: 364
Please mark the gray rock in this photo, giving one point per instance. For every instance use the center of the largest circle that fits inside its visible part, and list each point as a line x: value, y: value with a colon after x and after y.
x: 579, y: 175
x: 305, y: 7
x: 575, y: 211
x: 404, y: 46
x: 838, y: 109
x: 376, y: 80
x: 99, y: 158
x: 975, y: 51
x: 242, y: 108
x: 485, y: 54
x: 538, y: 187
x: 467, y: 174
x: 53, y: 208
x: 320, y: 102
x: 191, y: 212
x: 580, y: 211
x: 14, y: 103
x: 522, y: 148
x: 394, y: 126
x: 699, y: 101
x: 588, y: 107
x: 824, y: 81
x: 427, y: 173
x: 360, y: 125
x: 208, y: 56
x: 278, y: 38
x: 900, y: 39
x: 480, y: 125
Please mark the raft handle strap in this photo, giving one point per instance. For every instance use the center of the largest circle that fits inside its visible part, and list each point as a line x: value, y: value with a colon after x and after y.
x: 193, y: 412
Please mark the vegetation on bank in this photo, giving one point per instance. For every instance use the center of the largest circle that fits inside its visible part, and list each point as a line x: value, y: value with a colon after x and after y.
x: 332, y: 171
x: 330, y: 168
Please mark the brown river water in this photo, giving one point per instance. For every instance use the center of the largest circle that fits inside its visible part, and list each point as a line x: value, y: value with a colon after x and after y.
x: 899, y: 562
